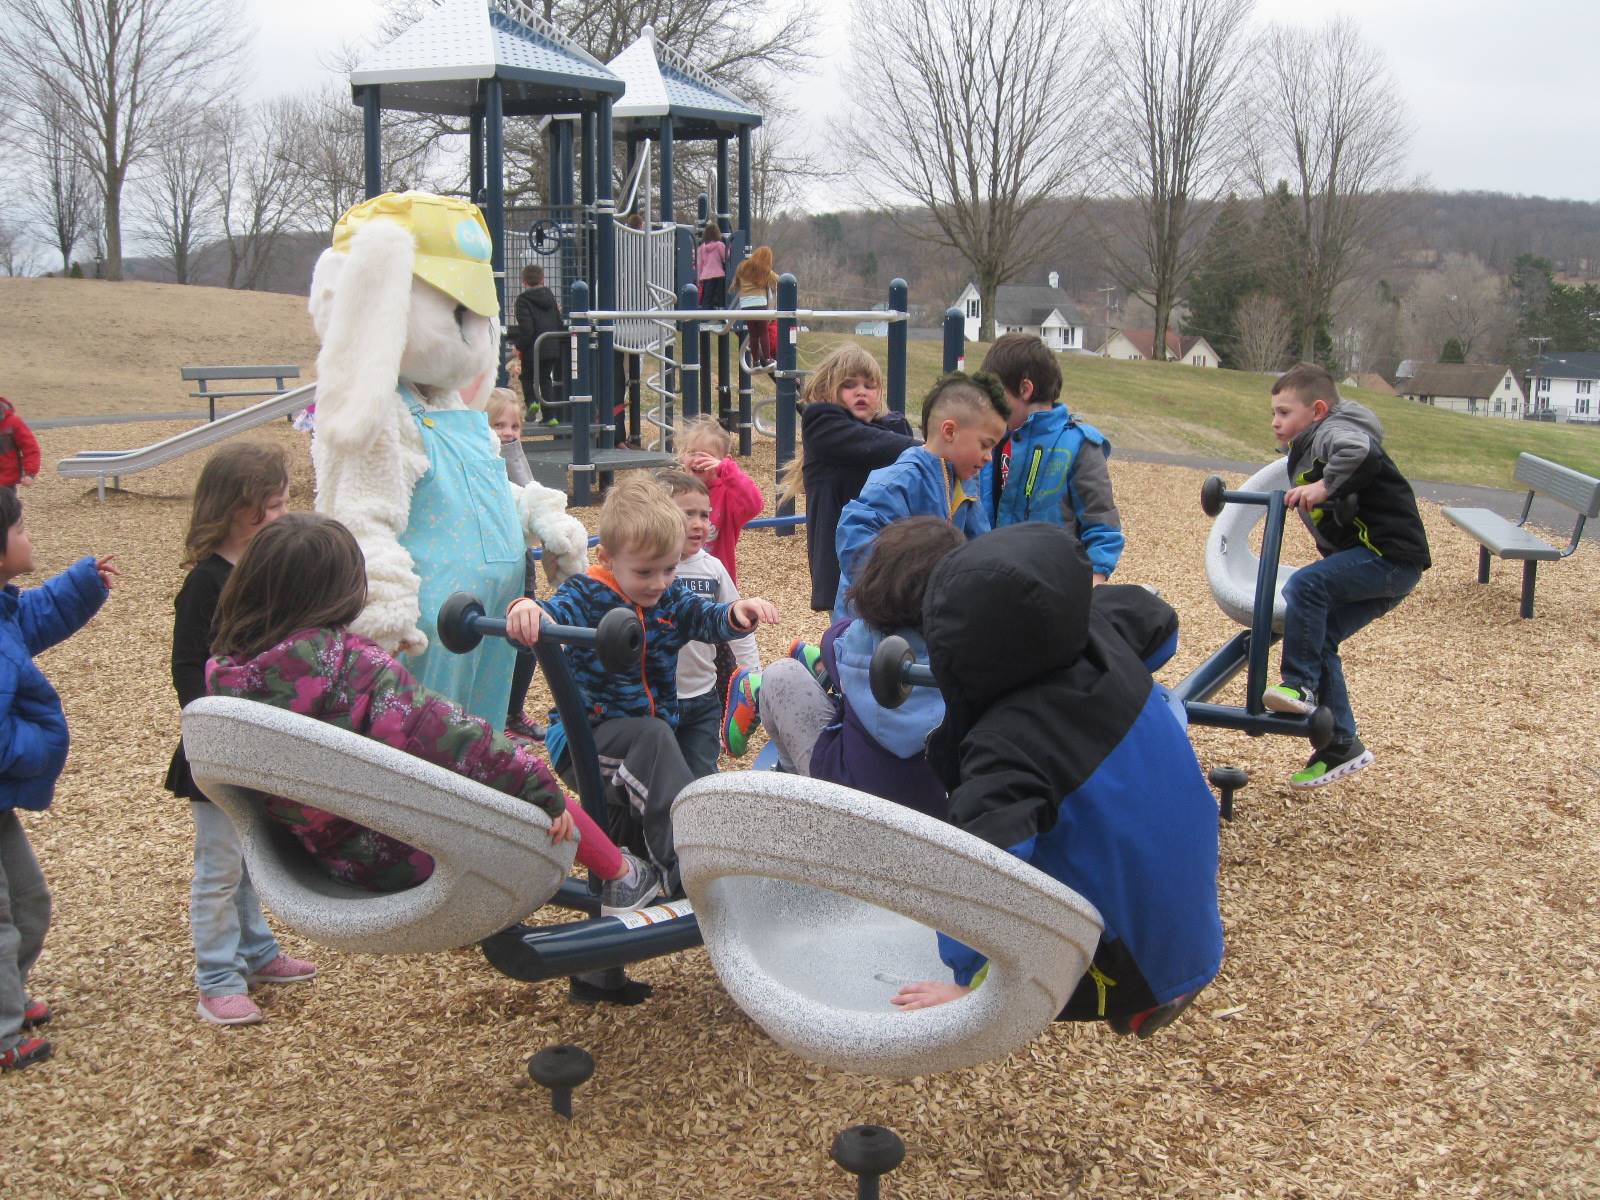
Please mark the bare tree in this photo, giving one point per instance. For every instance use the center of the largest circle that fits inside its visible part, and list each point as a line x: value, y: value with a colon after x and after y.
x: 1329, y: 137
x: 1265, y: 328
x: 256, y: 186
x: 178, y: 200
x: 1463, y: 300
x: 16, y: 255
x: 60, y: 187
x: 1173, y: 135
x: 117, y: 66
x: 975, y: 112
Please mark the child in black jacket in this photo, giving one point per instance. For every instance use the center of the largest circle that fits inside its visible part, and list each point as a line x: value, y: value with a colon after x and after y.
x: 538, y: 311
x: 845, y: 435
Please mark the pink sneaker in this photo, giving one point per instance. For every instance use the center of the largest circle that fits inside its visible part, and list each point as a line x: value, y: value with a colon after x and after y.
x: 228, y: 1010
x: 282, y: 969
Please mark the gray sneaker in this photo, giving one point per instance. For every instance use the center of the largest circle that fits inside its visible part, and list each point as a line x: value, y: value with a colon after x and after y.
x: 619, y: 896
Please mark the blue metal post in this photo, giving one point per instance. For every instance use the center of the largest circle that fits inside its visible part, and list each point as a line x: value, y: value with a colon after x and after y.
x: 725, y: 339
x: 494, y: 150
x: 746, y: 416
x: 579, y: 392
x: 564, y: 202
x: 666, y: 171
x: 788, y: 301
x: 723, y: 215
x: 553, y: 162
x: 372, y: 140
x: 703, y: 218
x: 475, y: 183
x: 586, y: 193
x: 955, y: 340
x: 689, y: 298
x: 1265, y: 601
x: 898, y: 303
x: 605, y: 215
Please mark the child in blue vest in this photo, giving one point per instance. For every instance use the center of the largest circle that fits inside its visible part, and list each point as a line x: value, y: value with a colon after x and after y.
x: 1051, y: 467
x: 963, y: 419
x: 32, y: 753
x: 1062, y: 750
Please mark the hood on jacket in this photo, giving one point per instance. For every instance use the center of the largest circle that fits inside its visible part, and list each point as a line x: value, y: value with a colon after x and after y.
x: 1343, y: 417
x: 902, y: 731
x: 1006, y: 609
x: 541, y: 297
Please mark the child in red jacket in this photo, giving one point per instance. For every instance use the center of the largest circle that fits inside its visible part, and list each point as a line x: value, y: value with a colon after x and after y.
x: 19, y: 449
x: 705, y: 450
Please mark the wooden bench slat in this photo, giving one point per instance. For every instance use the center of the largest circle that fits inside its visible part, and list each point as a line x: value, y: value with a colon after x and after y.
x: 1576, y: 490
x: 1503, y: 538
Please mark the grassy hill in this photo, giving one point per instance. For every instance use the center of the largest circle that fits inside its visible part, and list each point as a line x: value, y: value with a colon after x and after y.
x: 76, y: 347
x: 1181, y: 409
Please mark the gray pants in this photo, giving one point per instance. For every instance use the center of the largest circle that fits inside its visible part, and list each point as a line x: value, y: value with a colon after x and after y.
x: 795, y: 711
x: 24, y: 918
x: 639, y: 757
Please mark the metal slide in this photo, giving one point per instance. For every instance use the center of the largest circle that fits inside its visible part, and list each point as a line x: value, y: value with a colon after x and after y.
x: 99, y: 464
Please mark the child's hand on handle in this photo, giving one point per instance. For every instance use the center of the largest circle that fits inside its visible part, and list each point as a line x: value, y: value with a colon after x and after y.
x: 1307, y: 496
x: 925, y: 994
x: 522, y: 621
x: 753, y: 611
x: 562, y: 828
x: 108, y: 570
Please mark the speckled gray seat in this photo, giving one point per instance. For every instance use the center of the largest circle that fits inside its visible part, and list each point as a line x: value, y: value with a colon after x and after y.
x: 1231, y: 564
x: 493, y: 861
x: 817, y: 902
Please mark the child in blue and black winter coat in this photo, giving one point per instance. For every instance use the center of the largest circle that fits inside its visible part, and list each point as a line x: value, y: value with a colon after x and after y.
x: 817, y: 704
x: 33, y: 750
x: 1058, y: 747
x: 634, y: 717
x: 1051, y: 467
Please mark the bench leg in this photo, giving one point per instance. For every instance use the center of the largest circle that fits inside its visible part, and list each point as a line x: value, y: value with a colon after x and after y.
x: 1528, y: 568
x: 1483, y: 564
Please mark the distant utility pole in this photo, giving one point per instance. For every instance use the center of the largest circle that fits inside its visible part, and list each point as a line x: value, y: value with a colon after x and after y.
x: 1533, y: 379
x: 1108, y: 291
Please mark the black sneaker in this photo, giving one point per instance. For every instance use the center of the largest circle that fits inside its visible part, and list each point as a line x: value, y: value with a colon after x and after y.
x: 1331, y: 764
x: 1152, y: 1019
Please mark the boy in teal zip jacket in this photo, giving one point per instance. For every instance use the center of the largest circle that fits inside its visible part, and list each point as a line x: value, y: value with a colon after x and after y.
x: 33, y: 750
x: 1051, y: 467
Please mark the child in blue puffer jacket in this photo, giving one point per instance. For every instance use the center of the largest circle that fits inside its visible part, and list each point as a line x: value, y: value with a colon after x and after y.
x: 847, y: 737
x: 33, y: 749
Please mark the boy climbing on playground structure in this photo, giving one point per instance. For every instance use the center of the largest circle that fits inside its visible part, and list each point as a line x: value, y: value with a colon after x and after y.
x: 283, y: 639
x: 846, y: 433
x: 1363, y: 517
x: 700, y: 694
x: 536, y: 310
x: 34, y: 746
x: 963, y: 419
x: 1051, y: 467
x: 1068, y: 756
x: 634, y: 717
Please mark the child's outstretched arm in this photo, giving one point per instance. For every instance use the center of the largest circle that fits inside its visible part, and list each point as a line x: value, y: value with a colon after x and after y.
x: 62, y: 605
x: 835, y: 437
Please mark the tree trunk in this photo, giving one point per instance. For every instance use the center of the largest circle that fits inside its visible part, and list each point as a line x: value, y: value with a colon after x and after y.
x: 988, y: 290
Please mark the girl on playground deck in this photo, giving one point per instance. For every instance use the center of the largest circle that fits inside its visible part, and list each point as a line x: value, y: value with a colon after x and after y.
x: 705, y: 450
x: 283, y: 638
x: 756, y: 285
x: 845, y: 435
x: 849, y: 738
x: 242, y: 489
x: 711, y: 267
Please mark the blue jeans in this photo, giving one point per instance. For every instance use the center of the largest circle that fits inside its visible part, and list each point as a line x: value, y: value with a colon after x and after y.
x: 231, y: 938
x: 1327, y: 602
x: 700, y: 733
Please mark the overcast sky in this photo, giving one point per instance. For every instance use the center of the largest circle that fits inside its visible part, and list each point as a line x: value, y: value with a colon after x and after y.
x: 1501, y: 95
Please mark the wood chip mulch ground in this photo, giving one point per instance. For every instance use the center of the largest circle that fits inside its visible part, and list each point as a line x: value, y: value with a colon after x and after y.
x: 1410, y: 1003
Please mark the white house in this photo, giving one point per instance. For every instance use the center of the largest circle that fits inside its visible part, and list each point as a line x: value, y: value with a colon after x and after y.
x: 1138, y: 345
x: 1564, y: 387
x: 1046, y: 312
x: 1481, y: 389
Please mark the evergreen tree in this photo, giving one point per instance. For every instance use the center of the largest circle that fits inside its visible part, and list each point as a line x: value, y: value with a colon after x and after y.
x: 1452, y: 352
x: 1229, y: 270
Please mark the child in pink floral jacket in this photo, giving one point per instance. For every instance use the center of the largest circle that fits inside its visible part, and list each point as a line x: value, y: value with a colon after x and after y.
x: 282, y: 639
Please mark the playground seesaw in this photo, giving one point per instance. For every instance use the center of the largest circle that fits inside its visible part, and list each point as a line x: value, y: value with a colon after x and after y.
x: 815, y: 902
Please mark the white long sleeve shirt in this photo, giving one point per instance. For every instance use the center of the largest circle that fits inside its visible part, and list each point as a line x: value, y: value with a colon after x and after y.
x: 697, y: 664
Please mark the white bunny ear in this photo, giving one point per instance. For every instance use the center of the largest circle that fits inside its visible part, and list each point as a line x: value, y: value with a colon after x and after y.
x: 361, y: 313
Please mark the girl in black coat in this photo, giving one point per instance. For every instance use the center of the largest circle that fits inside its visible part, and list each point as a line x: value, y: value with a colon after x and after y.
x: 845, y: 435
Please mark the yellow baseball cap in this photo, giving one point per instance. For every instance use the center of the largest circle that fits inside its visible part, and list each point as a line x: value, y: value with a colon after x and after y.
x: 453, y: 247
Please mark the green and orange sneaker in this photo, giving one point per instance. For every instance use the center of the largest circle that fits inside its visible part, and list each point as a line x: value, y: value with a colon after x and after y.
x: 809, y: 654
x: 743, y: 712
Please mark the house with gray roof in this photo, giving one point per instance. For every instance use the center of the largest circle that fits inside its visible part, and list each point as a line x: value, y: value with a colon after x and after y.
x: 1564, y: 386
x: 1046, y: 312
x: 1480, y: 389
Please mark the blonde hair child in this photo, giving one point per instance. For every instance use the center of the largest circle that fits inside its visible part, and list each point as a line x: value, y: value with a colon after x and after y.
x: 846, y: 433
x: 705, y: 451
